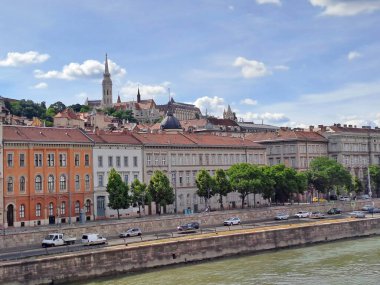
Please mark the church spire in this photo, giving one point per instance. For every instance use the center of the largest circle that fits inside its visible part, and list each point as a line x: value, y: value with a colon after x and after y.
x: 107, y: 86
x: 106, y: 72
x: 138, y: 95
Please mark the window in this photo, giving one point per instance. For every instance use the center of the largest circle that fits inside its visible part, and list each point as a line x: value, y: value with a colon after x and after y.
x: 135, y: 176
x: 156, y: 159
x: 22, y: 184
x: 38, y: 210
x: 51, y: 209
x: 163, y: 159
x: 126, y: 178
x: 50, y: 159
x: 148, y: 159
x: 22, y: 211
x: 126, y: 161
x: 22, y: 160
x: 62, y: 182
x: 38, y: 183
x: 77, y: 182
x: 86, y: 160
x: 10, y: 184
x: 62, y: 160
x: 10, y: 159
x: 63, y: 208
x: 87, y: 182
x: 76, y: 160
x: 110, y: 161
x: 88, y: 206
x: 118, y: 161
x: 100, y: 161
x: 100, y: 180
x: 135, y: 161
x: 180, y: 178
x: 38, y: 159
x: 77, y: 207
x: 51, y: 183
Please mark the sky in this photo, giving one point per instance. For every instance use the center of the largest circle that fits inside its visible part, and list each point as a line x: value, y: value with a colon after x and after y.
x: 282, y: 62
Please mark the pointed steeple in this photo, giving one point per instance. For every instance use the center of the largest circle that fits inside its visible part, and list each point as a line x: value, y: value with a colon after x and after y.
x: 229, y: 109
x: 138, y: 95
x: 107, y: 86
x: 106, y: 72
x: 118, y: 98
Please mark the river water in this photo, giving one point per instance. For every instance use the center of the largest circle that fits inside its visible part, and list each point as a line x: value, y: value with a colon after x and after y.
x: 349, y: 262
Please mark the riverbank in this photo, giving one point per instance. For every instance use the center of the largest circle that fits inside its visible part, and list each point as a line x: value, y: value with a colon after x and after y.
x: 135, y: 257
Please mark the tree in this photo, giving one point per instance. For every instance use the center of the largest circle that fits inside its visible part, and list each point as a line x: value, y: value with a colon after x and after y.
x: 204, y: 184
x: 221, y: 185
x: 357, y: 185
x: 76, y: 107
x: 139, y: 193
x: 160, y: 190
x: 267, y: 187
x: 118, y: 192
x: 374, y: 172
x: 57, y: 107
x: 326, y: 174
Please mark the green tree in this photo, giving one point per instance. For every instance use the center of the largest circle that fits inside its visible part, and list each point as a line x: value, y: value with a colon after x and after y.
x: 374, y: 172
x: 76, y: 107
x: 205, y: 185
x: 118, y: 192
x: 357, y: 185
x: 326, y: 174
x: 57, y: 107
x: 160, y: 190
x: 139, y: 194
x: 221, y: 185
x: 268, y: 183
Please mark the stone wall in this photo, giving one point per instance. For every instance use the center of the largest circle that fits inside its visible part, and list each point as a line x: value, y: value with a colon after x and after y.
x: 156, y: 224
x: 109, y: 261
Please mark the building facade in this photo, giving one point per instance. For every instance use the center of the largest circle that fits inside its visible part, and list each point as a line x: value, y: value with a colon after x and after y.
x: 122, y: 152
x: 47, y: 176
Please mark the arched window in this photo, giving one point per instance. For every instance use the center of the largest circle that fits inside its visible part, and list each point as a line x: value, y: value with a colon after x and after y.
x: 38, y: 183
x: 63, y: 208
x: 77, y: 207
x: 38, y: 210
x: 22, y: 184
x: 62, y: 182
x: 22, y: 211
x: 77, y: 183
x: 88, y: 206
x: 10, y: 184
x: 87, y: 181
x: 51, y: 209
x: 51, y: 183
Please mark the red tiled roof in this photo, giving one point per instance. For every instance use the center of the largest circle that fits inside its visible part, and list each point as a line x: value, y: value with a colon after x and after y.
x: 353, y: 130
x: 285, y: 135
x: 113, y: 138
x: 42, y: 134
x: 67, y: 113
x: 222, y: 122
x: 163, y: 139
x: 212, y: 140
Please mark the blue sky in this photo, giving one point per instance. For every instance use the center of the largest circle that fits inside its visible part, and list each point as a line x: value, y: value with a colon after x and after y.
x: 283, y: 62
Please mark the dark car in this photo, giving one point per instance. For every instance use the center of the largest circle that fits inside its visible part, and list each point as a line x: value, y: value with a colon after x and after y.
x: 333, y: 197
x: 188, y: 227
x: 373, y: 210
x: 334, y: 211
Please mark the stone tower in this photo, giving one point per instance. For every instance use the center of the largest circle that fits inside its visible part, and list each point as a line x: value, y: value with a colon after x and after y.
x: 229, y: 114
x: 107, y: 86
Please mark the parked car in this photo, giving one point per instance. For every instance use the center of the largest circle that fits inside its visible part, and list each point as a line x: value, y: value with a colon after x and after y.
x: 344, y: 198
x: 320, y: 200
x: 366, y: 207
x: 364, y: 197
x: 302, y: 214
x: 281, y: 216
x: 232, y: 221
x: 131, y: 233
x: 333, y: 197
x: 357, y: 214
x: 90, y: 239
x: 57, y: 239
x: 192, y: 226
x: 317, y: 215
x: 373, y: 210
x: 334, y: 211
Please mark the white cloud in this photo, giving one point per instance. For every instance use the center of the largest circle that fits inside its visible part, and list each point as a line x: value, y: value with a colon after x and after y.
x: 157, y: 92
x: 353, y: 54
x: 281, y: 67
x: 346, y: 7
x: 88, y: 69
x: 276, y: 2
x: 213, y: 105
x: 19, y: 59
x: 251, y: 68
x: 266, y: 118
x: 249, y: 101
x: 41, y: 85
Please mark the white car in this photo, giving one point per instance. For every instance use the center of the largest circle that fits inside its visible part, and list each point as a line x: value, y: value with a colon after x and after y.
x: 302, y: 214
x: 357, y: 214
x: 344, y: 198
x: 90, y: 239
x: 281, y: 216
x: 232, y: 221
x: 366, y: 207
x: 132, y: 232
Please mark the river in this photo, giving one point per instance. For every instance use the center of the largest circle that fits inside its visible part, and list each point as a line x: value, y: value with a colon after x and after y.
x: 348, y: 262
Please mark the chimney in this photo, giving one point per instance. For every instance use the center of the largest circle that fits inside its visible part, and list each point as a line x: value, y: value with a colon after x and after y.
x: 338, y: 125
x: 345, y: 125
x: 350, y: 126
x: 311, y: 128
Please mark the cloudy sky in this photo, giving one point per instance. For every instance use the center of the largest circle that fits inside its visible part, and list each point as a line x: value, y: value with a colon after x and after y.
x: 281, y: 62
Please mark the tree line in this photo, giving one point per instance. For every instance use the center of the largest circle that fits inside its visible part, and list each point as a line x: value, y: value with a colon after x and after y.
x: 277, y: 184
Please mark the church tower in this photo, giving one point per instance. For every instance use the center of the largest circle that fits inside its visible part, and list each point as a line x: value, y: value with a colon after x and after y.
x: 229, y: 114
x: 107, y: 86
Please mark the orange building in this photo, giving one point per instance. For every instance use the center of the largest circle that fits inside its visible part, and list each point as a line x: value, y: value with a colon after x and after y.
x: 47, y: 176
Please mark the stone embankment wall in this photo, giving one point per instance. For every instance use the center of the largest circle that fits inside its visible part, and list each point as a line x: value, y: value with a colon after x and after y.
x: 122, y: 259
x: 152, y: 224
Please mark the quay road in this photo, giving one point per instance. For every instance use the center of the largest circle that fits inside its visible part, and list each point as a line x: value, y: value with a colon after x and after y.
x: 34, y: 251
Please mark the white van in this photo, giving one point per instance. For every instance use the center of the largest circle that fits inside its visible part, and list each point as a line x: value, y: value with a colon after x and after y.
x: 89, y: 239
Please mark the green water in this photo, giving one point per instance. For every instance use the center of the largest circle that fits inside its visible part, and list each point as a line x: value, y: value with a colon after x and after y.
x: 346, y: 262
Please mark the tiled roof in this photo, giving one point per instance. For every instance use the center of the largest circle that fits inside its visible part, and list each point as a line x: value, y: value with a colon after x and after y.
x: 338, y: 129
x: 222, y: 122
x: 285, y: 135
x: 212, y: 140
x: 42, y: 134
x: 67, y: 113
x: 163, y: 139
x: 114, y: 138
